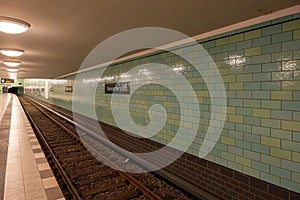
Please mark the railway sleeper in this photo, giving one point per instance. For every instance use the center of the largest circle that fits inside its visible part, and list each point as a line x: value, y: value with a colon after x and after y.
x: 76, y: 146
x: 54, y: 144
x: 78, y: 159
x: 96, y: 178
x: 103, y: 188
x: 56, y: 135
x: 100, y: 173
x: 70, y: 149
x: 66, y: 153
x: 83, y: 163
x: 61, y: 139
x: 82, y: 167
x: 128, y: 195
x: 49, y: 128
x: 69, y: 155
x: 85, y: 171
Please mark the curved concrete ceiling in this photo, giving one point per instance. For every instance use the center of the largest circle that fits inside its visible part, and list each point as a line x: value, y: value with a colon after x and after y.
x: 62, y: 33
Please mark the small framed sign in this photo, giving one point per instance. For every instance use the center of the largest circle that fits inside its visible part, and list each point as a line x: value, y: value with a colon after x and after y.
x: 69, y: 88
x: 6, y: 80
x: 117, y: 88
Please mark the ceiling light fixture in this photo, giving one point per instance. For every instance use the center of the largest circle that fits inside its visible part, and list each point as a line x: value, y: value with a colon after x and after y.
x: 12, y: 70
x: 12, y: 52
x: 12, y: 63
x: 12, y: 74
x: 12, y: 77
x: 12, y: 25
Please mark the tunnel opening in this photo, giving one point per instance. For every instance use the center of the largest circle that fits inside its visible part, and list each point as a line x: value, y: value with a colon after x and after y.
x: 16, y: 90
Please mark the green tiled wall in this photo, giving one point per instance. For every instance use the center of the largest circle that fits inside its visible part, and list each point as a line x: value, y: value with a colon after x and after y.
x: 260, y: 67
x: 34, y: 87
x: 17, y: 83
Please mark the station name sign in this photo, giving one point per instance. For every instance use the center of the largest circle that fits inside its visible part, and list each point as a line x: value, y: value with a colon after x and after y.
x: 117, y: 88
x: 6, y: 80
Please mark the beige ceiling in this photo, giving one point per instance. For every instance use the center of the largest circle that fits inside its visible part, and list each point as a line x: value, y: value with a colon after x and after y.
x: 63, y: 32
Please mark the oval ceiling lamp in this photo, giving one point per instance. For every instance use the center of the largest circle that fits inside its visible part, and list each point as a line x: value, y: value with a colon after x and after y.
x: 12, y: 70
x: 12, y: 25
x: 12, y: 74
x: 12, y: 52
x: 12, y: 63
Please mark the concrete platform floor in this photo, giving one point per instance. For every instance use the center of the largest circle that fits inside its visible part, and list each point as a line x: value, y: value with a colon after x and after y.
x: 26, y: 173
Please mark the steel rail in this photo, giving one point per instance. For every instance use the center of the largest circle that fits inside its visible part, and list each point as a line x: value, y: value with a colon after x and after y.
x: 196, y: 192
x: 148, y: 193
x: 137, y: 159
x: 65, y: 177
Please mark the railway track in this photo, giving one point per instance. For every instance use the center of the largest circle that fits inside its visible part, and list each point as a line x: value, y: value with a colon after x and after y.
x: 83, y: 176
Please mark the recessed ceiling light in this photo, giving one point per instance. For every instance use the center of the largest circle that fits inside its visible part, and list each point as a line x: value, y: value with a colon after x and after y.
x: 12, y: 63
x: 12, y: 77
x: 13, y: 26
x: 12, y: 70
x: 12, y: 52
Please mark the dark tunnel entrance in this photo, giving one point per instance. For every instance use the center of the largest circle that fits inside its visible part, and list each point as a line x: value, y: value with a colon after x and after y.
x: 16, y: 90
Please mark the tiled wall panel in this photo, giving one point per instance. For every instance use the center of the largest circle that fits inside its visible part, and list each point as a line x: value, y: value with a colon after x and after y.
x: 260, y: 68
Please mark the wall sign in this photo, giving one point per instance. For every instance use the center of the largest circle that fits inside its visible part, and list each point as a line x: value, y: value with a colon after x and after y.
x: 69, y: 88
x: 6, y: 80
x: 117, y: 88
